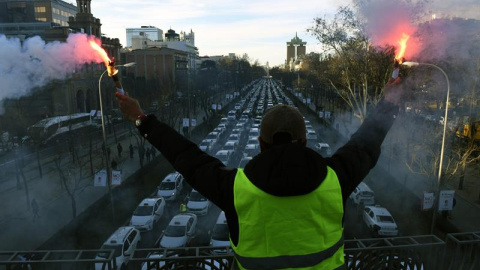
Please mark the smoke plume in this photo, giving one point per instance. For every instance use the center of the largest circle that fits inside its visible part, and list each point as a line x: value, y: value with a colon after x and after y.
x: 387, y: 21
x: 33, y: 63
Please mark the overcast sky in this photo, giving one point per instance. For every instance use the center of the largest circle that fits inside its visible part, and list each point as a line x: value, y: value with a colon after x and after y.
x: 258, y: 28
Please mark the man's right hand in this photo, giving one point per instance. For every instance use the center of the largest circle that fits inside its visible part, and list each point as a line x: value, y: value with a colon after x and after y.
x: 129, y: 106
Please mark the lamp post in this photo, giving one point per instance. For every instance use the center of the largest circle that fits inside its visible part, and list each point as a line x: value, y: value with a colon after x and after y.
x: 109, y: 177
x: 442, y: 148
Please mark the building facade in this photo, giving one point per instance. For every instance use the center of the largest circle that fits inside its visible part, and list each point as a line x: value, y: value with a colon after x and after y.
x: 149, y: 32
x: 182, y: 41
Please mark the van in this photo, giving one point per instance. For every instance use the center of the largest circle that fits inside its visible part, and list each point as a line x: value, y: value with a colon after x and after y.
x: 363, y: 194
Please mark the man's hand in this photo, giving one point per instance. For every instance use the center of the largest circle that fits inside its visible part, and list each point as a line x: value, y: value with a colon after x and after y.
x: 393, y: 91
x: 129, y: 106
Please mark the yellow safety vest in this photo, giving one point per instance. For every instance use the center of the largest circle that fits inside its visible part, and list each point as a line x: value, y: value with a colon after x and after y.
x: 295, y: 232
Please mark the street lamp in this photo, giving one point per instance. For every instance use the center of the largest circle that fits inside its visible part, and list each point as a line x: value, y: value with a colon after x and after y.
x: 442, y: 149
x: 109, y: 178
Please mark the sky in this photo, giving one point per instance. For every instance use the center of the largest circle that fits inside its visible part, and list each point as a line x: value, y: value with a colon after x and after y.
x: 258, y: 28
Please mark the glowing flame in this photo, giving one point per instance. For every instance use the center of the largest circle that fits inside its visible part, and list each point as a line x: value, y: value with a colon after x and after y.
x: 101, y: 52
x: 403, y: 46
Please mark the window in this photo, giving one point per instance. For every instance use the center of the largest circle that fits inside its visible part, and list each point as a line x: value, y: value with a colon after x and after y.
x: 40, y: 9
x: 41, y: 19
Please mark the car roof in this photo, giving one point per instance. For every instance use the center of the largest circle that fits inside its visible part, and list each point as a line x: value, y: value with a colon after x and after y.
x: 364, y: 186
x: 119, y: 235
x: 222, y: 152
x: 181, y: 219
x: 378, y: 210
x: 149, y: 201
x: 170, y: 177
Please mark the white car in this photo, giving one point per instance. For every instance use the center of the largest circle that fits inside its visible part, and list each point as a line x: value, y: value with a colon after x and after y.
x: 197, y: 203
x: 205, y: 146
x: 230, y: 146
x: 323, y: 148
x: 380, y: 221
x: 179, y: 231
x: 311, y: 135
x: 221, y: 235
x: 161, y: 264
x: 223, y: 156
x: 147, y: 213
x: 123, y: 241
x: 234, y: 138
x: 212, y: 137
x: 170, y: 186
x: 362, y: 194
x: 253, y: 134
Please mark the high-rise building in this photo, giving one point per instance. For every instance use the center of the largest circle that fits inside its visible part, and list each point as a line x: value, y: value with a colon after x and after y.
x: 30, y: 11
x: 28, y: 18
x: 149, y: 32
x: 296, y: 49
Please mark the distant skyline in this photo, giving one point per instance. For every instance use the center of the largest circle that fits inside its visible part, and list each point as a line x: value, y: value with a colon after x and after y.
x: 257, y: 28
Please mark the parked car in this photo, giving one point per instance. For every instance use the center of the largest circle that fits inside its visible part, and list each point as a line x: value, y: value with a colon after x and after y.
x: 221, y: 236
x: 147, y: 213
x: 197, y: 203
x: 170, y: 186
x: 380, y: 221
x: 362, y: 194
x: 123, y: 241
x: 180, y: 231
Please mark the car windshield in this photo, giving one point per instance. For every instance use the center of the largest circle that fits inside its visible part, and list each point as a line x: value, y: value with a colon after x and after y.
x: 204, y: 144
x: 167, y: 186
x: 211, y: 136
x: 228, y: 147
x: 220, y: 232
x: 385, y: 219
x: 117, y: 251
x: 175, y: 231
x: 197, y: 197
x: 143, y: 211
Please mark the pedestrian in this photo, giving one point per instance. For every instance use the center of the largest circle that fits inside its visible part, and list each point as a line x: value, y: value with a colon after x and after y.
x: 131, y: 150
x: 147, y: 153
x: 288, y: 189
x: 35, y: 209
x: 183, y: 208
x: 119, y: 149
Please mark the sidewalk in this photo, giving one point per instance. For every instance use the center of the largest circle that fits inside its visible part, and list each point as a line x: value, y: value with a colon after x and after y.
x: 19, y: 229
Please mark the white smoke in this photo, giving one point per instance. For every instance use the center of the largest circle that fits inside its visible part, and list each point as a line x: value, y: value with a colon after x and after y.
x: 34, y: 63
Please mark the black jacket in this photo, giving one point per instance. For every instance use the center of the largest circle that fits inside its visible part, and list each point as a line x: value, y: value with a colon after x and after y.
x: 284, y: 170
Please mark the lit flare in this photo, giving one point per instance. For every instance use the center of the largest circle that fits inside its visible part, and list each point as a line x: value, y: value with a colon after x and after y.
x: 403, y: 46
x: 109, y: 64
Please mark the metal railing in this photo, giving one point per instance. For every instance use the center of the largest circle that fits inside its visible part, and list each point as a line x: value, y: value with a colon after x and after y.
x: 459, y: 251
